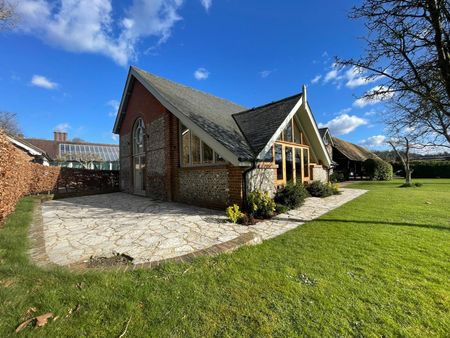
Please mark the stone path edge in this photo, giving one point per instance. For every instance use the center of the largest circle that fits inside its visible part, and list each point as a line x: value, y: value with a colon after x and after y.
x: 249, y: 238
x: 36, y: 239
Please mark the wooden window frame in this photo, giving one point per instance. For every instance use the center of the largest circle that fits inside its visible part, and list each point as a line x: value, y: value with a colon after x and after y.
x: 295, y: 147
x: 201, y: 164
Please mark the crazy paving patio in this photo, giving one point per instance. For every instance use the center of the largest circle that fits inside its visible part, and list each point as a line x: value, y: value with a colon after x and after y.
x: 72, y: 230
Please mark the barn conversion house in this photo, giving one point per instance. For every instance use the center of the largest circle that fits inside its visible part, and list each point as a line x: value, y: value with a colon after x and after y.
x: 181, y: 144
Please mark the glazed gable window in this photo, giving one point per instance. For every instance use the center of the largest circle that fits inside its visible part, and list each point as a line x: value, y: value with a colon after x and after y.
x: 195, y: 152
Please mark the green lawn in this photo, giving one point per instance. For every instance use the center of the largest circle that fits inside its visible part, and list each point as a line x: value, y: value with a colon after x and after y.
x: 378, y: 266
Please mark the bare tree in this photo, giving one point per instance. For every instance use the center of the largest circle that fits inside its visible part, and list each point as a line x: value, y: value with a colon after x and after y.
x: 408, y: 49
x: 86, y: 160
x: 9, y: 124
x: 7, y: 15
x: 404, y: 156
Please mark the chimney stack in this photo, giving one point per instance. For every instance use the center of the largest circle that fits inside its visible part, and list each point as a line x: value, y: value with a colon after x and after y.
x: 60, y: 136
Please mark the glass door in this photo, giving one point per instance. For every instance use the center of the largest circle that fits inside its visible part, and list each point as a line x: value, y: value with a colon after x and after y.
x: 139, y: 170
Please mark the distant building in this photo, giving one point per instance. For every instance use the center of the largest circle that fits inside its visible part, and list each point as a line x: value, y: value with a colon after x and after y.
x: 38, y: 155
x: 77, y: 154
x: 347, y: 157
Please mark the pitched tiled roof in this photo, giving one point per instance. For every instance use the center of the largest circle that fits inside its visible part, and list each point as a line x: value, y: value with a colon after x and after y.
x: 212, y: 114
x: 49, y: 146
x: 259, y: 124
x: 241, y: 131
x: 352, y: 151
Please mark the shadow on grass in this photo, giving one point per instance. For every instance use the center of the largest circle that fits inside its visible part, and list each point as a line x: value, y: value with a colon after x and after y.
x: 426, y: 226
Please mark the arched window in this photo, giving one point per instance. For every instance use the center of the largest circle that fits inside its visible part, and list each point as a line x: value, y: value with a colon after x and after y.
x: 138, y: 137
x: 139, y: 157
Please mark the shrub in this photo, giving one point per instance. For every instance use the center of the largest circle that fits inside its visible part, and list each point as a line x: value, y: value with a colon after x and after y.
x: 337, y: 176
x: 260, y: 204
x: 319, y: 189
x: 281, y: 209
x: 378, y: 170
x: 292, y: 195
x: 430, y: 169
x: 334, y: 188
x: 233, y: 213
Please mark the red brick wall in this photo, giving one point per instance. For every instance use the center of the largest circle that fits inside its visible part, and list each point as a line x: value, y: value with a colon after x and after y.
x: 213, y: 186
x: 141, y: 104
x: 236, y: 184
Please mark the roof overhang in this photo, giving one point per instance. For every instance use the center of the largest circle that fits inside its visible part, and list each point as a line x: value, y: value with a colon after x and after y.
x: 30, y: 150
x: 208, y: 139
x: 316, y: 141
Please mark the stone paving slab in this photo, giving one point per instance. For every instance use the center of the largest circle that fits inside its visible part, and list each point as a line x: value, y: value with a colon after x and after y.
x: 75, y: 229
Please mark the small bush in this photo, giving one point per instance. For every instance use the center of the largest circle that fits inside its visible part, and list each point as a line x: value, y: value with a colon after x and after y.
x: 407, y: 185
x: 378, y: 170
x: 281, y: 209
x: 233, y: 213
x: 292, y: 195
x: 260, y: 204
x: 337, y: 176
x: 319, y: 189
x: 334, y: 188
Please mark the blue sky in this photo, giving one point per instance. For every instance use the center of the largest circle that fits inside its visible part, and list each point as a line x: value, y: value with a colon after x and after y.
x: 66, y: 63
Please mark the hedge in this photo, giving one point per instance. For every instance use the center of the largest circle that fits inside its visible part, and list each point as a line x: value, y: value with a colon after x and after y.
x: 427, y: 169
x: 378, y: 170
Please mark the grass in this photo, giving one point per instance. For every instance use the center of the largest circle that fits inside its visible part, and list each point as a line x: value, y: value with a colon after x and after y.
x: 377, y: 266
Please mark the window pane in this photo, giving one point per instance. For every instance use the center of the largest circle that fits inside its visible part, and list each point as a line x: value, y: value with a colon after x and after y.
x: 207, y: 153
x: 185, y: 141
x: 297, y: 134
x: 279, y: 161
x: 288, y: 132
x: 268, y: 157
x: 306, y: 162
x: 195, y: 149
x: 219, y: 158
x: 298, y: 166
x: 289, y: 164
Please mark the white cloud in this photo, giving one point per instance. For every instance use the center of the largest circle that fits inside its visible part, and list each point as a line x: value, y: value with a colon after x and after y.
x: 265, y: 73
x: 115, y: 137
x: 331, y: 75
x: 370, y: 113
x: 62, y: 127
x: 373, y: 96
x: 374, y: 141
x: 356, y: 78
x: 206, y: 4
x: 114, y: 104
x: 344, y: 111
x: 201, y: 74
x: 316, y: 79
x: 343, y: 124
x: 89, y: 25
x: 43, y: 82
